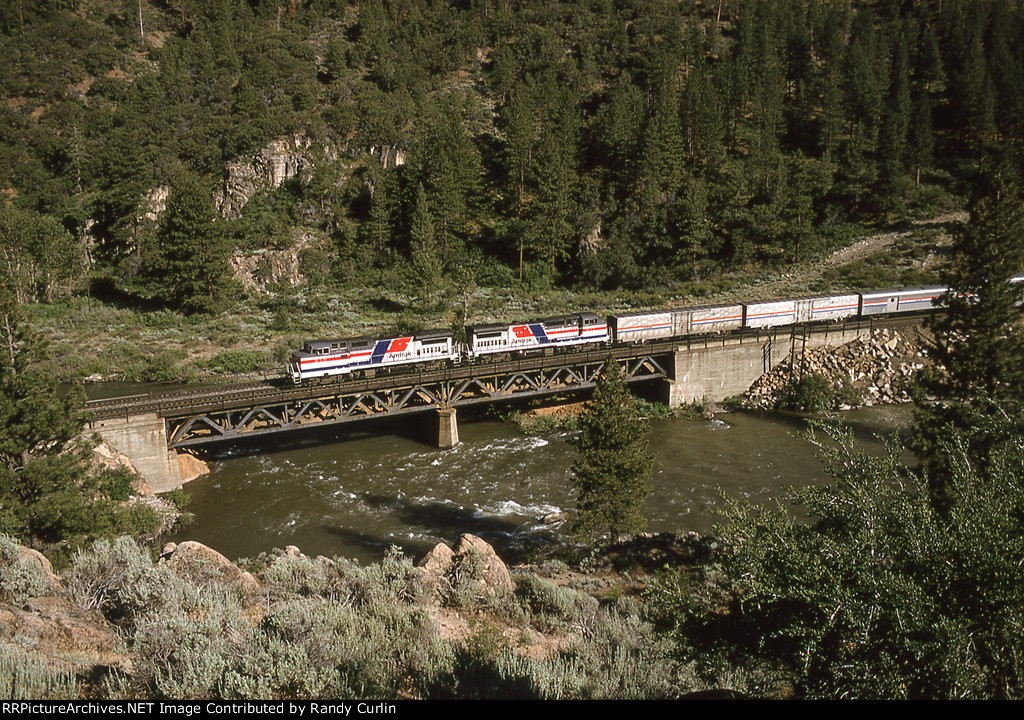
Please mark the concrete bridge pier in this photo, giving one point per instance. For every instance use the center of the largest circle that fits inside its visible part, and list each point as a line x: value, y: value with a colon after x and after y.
x: 447, y: 428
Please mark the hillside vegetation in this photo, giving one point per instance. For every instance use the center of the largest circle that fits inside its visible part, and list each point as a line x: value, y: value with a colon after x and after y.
x: 464, y: 159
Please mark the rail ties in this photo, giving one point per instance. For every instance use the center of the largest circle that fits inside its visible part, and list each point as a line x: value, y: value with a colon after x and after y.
x: 144, y: 403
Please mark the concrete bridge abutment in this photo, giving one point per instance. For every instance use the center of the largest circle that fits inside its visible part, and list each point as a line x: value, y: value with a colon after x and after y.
x: 143, y: 440
x: 726, y: 366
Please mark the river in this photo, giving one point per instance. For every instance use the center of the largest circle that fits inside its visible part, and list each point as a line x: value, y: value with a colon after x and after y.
x: 357, y: 491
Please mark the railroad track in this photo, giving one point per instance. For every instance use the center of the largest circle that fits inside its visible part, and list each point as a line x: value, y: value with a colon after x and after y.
x: 148, y: 402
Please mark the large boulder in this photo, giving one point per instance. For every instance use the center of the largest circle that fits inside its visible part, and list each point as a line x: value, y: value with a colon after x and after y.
x: 471, y: 572
x: 191, y: 467
x: 436, y: 570
x: 197, y: 563
x: 39, y: 562
x: 472, y: 551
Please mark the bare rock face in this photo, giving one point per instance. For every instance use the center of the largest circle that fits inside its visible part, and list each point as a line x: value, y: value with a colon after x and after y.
x: 281, y: 160
x: 155, y: 202
x: 88, y: 240
x: 256, y: 270
x: 389, y: 155
x: 593, y: 242
x: 494, y: 573
x: 191, y: 467
x: 197, y: 563
x: 107, y: 456
x: 435, y: 571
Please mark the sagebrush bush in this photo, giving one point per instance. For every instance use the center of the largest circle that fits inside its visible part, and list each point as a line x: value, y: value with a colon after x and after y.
x: 550, y: 607
x: 389, y: 581
x: 24, y: 676
x: 19, y: 580
x: 287, y: 577
x: 623, y: 657
x: 118, y: 578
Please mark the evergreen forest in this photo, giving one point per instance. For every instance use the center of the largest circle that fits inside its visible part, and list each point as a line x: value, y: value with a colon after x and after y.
x: 583, y: 144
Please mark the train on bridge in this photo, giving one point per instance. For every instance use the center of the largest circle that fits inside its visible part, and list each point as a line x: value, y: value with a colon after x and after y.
x: 364, y: 356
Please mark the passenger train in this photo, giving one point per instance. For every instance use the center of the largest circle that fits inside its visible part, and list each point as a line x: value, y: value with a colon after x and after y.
x: 364, y: 356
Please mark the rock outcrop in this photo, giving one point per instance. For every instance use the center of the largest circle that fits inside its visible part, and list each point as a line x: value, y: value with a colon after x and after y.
x: 61, y: 631
x: 262, y: 268
x: 281, y: 160
x: 198, y: 563
x: 191, y: 467
x: 473, y: 567
x: 878, y: 368
x: 39, y: 562
x: 155, y: 202
x: 493, y: 573
x: 107, y: 456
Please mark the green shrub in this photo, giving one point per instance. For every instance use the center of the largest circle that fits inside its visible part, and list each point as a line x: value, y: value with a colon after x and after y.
x: 116, y: 483
x: 164, y: 366
x: 290, y: 577
x: 236, y: 362
x: 813, y: 392
x: 849, y: 394
x: 551, y: 607
x: 118, y: 578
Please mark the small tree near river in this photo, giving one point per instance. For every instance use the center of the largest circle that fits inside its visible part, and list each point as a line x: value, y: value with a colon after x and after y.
x: 612, y: 474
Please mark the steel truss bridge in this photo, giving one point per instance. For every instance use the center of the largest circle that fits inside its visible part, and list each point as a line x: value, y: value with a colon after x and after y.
x: 231, y: 412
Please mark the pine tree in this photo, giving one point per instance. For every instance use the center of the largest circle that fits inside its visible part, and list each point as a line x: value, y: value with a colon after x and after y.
x: 423, y: 243
x: 921, y: 135
x: 376, y: 233
x: 188, y: 267
x: 551, y: 229
x: 50, y: 496
x: 978, y: 348
x: 613, y: 472
x: 896, y: 120
x: 34, y: 418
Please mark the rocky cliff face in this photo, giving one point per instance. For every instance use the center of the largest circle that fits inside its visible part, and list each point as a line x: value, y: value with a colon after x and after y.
x: 155, y: 202
x: 281, y: 160
x: 260, y: 269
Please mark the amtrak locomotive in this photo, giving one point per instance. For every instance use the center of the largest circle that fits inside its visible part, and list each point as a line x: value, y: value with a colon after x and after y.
x: 436, y: 348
